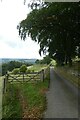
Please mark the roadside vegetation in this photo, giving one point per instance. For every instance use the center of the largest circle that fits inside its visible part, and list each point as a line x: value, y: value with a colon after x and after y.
x: 70, y: 73
x: 26, y: 100
x: 12, y: 65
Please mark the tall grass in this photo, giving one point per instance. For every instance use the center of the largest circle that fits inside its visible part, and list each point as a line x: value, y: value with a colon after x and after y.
x: 11, y: 104
x: 25, y: 100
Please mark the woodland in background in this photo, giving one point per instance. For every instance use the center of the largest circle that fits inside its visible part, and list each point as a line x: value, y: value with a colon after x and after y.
x: 10, y: 66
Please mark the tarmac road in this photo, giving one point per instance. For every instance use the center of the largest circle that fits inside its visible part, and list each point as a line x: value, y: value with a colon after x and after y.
x: 62, y: 98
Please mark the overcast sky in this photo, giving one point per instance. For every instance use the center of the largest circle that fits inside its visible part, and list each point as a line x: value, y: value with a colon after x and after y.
x: 11, y: 46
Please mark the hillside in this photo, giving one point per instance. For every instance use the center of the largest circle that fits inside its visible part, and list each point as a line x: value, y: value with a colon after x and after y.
x: 5, y: 60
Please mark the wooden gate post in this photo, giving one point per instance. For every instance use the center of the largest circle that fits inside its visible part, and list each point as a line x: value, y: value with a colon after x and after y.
x: 42, y: 75
x: 6, y: 80
x: 4, y: 85
x: 23, y: 76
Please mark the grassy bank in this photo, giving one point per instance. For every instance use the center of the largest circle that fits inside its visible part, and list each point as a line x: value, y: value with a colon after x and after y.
x: 38, y: 67
x: 70, y: 73
x: 25, y: 100
x: 34, y: 99
x: 11, y: 103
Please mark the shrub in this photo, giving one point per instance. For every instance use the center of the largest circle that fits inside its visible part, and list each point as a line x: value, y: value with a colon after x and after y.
x: 15, y: 71
x: 23, y: 68
x: 28, y: 71
x: 32, y: 71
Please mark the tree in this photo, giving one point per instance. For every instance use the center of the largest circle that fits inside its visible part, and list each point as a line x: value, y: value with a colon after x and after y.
x: 37, y: 61
x: 55, y: 27
x: 15, y: 71
x: 13, y: 64
x: 23, y: 68
x: 4, y: 68
x: 46, y: 60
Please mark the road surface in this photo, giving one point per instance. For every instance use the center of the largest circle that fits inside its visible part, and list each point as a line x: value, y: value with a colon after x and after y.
x: 62, y: 98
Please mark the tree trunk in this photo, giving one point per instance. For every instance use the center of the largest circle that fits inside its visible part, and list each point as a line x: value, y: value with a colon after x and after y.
x: 66, y: 60
x: 70, y: 61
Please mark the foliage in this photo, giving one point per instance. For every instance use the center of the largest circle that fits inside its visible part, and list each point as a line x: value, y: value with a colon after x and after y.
x: 55, y: 27
x: 11, y: 104
x: 37, y: 67
x: 23, y: 68
x: 15, y: 71
x: 37, y: 61
x: 11, y: 65
x: 45, y: 60
x: 70, y: 74
x: 4, y: 68
x: 53, y: 62
x: 33, y: 99
x: 28, y: 71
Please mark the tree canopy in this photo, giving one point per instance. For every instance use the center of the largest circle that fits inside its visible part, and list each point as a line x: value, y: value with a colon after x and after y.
x: 23, y: 68
x: 55, y: 26
x: 45, y: 60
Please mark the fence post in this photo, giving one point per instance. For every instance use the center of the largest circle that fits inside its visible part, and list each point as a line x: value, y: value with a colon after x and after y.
x: 42, y: 75
x: 6, y: 75
x: 23, y: 76
x: 4, y: 85
x: 5, y: 82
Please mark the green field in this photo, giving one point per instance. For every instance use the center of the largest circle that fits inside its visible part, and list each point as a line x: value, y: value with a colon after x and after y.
x: 37, y: 67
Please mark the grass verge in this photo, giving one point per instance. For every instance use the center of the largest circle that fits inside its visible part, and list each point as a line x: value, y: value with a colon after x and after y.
x: 25, y: 100
x: 66, y: 72
x: 35, y: 100
x: 11, y: 105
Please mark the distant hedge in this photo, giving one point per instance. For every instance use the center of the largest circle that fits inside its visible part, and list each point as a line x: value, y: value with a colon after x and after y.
x: 12, y: 65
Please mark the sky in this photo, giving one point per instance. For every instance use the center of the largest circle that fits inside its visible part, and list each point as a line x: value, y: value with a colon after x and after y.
x: 11, y: 45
